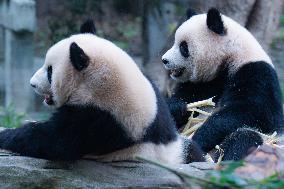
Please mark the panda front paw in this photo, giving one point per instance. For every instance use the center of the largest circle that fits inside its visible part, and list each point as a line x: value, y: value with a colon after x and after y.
x: 178, y: 109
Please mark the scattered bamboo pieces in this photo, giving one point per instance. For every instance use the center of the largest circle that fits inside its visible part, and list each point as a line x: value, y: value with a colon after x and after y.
x: 195, y: 123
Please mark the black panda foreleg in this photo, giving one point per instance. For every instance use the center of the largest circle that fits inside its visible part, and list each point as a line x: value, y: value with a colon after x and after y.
x: 217, y: 127
x: 239, y: 144
x: 43, y: 140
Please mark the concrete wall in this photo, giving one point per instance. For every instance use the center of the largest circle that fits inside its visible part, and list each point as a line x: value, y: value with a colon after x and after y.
x: 17, y: 23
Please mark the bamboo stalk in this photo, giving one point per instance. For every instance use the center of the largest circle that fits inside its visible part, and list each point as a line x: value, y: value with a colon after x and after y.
x: 192, y: 129
x: 188, y: 124
x: 221, y: 151
x: 202, y: 103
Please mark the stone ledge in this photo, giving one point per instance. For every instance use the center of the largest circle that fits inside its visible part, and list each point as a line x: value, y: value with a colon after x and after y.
x: 23, y: 172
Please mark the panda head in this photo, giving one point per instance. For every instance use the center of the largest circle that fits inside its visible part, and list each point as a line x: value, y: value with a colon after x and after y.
x: 82, y: 69
x: 205, y: 43
x: 65, y: 68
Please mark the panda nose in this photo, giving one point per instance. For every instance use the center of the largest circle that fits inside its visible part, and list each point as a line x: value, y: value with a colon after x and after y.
x: 33, y: 86
x: 165, y: 61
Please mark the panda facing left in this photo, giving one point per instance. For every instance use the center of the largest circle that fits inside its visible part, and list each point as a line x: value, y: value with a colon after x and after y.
x: 105, y: 108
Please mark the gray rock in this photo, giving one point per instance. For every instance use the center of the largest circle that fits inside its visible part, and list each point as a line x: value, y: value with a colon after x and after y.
x: 17, y: 172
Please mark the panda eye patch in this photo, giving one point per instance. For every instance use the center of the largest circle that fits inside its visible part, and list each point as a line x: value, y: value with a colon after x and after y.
x: 184, y: 49
x: 49, y: 73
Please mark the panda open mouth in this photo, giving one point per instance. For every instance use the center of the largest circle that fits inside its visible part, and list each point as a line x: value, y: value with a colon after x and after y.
x: 48, y: 99
x: 177, y: 72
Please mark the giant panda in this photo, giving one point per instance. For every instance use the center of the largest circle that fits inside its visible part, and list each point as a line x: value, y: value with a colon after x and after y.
x: 106, y: 108
x: 214, y: 56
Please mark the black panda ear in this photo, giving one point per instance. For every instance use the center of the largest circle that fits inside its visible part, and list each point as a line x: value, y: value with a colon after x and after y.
x: 88, y: 27
x: 78, y: 58
x: 189, y: 13
x: 214, y: 21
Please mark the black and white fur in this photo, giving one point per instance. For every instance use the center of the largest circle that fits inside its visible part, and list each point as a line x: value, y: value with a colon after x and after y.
x: 214, y: 56
x: 106, y: 108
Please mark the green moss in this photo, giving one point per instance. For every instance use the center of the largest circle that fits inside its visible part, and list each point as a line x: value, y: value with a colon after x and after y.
x: 9, y: 118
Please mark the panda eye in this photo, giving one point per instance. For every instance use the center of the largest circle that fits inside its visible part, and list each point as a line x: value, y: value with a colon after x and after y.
x: 49, y: 73
x: 184, y: 49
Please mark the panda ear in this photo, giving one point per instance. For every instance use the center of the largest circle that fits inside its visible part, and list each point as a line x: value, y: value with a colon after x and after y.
x: 88, y: 27
x: 190, y: 13
x: 214, y: 21
x: 78, y: 58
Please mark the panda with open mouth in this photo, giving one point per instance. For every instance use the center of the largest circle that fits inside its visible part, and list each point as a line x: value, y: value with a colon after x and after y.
x: 214, y: 56
x: 105, y: 108
x: 40, y: 85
